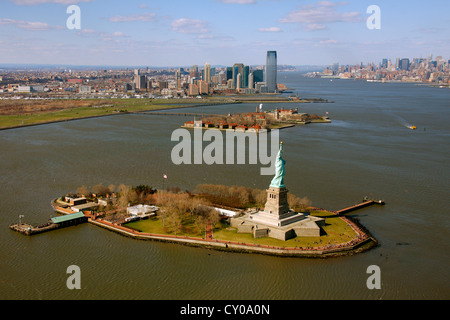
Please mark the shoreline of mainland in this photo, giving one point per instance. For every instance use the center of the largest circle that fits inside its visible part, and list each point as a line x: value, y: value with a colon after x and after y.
x: 159, y: 107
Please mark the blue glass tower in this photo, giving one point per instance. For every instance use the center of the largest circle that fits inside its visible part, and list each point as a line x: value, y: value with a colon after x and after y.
x: 271, y: 71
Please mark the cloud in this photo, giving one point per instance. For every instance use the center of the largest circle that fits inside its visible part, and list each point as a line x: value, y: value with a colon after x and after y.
x: 119, y: 34
x: 87, y: 31
x: 221, y: 38
x: 315, y: 26
x: 191, y: 26
x: 430, y: 30
x: 105, y: 36
x: 316, y: 16
x: 145, y: 17
x: 28, y: 25
x: 271, y: 29
x: 34, y: 2
x: 329, y: 41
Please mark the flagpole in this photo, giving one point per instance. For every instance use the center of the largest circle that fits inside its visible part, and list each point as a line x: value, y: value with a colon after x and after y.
x: 164, y: 178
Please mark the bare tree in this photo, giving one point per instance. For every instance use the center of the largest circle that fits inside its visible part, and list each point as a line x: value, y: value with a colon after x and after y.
x: 83, y: 191
x: 213, y: 217
x: 100, y: 190
x: 126, y: 195
x: 259, y: 197
x: 200, y: 224
x: 298, y: 203
x: 175, y: 218
x: 111, y: 188
x: 162, y: 200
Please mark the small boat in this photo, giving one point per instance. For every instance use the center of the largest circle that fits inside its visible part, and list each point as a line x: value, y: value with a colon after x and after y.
x: 413, y: 127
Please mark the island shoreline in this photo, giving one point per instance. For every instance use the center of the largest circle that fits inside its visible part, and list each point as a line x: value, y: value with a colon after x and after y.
x: 245, y: 248
x: 367, y: 242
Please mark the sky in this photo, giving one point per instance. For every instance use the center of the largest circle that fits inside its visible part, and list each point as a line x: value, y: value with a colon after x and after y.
x: 164, y: 33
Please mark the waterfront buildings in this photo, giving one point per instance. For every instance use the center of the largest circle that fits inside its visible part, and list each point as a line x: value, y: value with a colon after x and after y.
x: 181, y: 82
x: 425, y: 70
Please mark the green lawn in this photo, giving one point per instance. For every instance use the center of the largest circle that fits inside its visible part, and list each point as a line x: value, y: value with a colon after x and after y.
x: 335, y: 231
x: 155, y: 226
x: 114, y: 106
x: 82, y: 112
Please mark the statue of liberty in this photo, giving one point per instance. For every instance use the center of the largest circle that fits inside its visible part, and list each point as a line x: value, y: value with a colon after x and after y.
x: 278, y: 180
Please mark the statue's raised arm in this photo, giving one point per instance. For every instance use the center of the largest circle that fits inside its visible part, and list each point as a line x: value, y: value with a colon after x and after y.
x: 278, y: 180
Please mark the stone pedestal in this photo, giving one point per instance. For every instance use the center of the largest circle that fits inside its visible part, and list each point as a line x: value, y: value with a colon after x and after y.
x: 277, y: 220
x: 276, y: 203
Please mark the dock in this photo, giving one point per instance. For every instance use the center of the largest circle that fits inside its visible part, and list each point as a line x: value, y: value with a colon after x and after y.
x: 29, y: 230
x: 52, y: 224
x: 361, y: 205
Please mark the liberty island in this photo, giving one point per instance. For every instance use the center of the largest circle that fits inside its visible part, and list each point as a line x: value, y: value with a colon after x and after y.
x: 183, y: 217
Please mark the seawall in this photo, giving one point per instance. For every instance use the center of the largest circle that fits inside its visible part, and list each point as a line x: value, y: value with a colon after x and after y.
x: 361, y: 244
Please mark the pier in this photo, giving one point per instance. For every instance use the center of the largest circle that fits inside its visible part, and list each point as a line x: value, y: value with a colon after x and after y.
x: 52, y: 224
x: 361, y: 205
x: 29, y: 230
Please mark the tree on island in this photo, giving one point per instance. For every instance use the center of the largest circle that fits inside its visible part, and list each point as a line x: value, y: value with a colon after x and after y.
x: 298, y: 204
x: 178, y: 210
x: 83, y: 191
x: 174, y: 218
x: 100, y: 191
x: 243, y: 197
x: 234, y: 196
x: 126, y: 196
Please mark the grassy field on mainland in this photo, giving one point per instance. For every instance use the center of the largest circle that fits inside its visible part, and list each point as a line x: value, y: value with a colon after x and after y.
x: 26, y: 112
x: 335, y: 231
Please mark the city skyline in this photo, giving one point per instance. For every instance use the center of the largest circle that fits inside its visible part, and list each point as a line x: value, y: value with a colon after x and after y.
x: 221, y: 32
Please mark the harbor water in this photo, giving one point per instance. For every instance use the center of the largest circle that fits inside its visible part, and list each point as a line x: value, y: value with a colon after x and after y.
x: 367, y: 150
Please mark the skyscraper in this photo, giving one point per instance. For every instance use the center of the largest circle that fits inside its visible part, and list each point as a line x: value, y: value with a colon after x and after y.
x: 251, y: 81
x: 238, y: 68
x: 140, y: 80
x: 207, y: 77
x: 238, y: 82
x: 194, y: 71
x: 245, y: 74
x: 404, y: 64
x: 258, y: 75
x: 271, y: 71
x: 229, y: 73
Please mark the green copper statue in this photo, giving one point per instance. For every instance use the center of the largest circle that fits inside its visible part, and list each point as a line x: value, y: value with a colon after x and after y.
x: 278, y: 180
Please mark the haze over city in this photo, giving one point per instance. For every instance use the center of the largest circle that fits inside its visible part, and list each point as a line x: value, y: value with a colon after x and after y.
x: 221, y: 32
